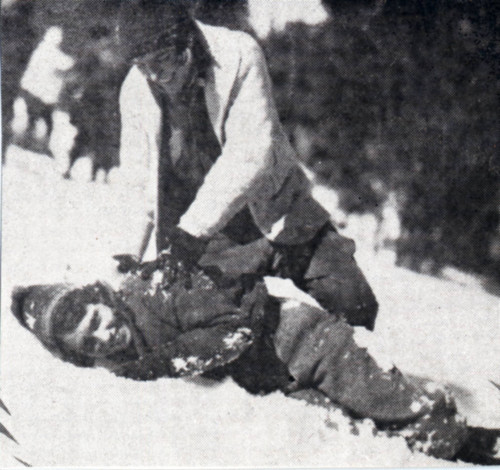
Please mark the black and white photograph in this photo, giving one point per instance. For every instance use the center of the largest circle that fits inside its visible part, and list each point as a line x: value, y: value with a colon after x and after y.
x: 250, y: 234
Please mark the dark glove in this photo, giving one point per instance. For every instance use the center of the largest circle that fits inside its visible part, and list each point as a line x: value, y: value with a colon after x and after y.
x: 185, y: 247
x: 172, y: 268
x: 130, y: 264
x: 127, y: 263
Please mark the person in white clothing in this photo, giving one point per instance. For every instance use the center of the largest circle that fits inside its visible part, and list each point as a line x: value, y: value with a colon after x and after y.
x: 201, y: 134
x: 43, y: 80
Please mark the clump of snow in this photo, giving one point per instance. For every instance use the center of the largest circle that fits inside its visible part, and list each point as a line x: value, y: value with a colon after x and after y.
x: 182, y: 364
x: 156, y: 282
x: 30, y: 321
x: 375, y: 347
x: 416, y: 406
x: 19, y: 122
x: 235, y: 338
x: 432, y: 387
x: 56, y: 230
x: 286, y: 290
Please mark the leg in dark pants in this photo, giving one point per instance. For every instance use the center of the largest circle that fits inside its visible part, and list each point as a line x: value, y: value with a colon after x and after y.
x: 321, y: 352
x: 46, y: 115
x: 336, y: 282
x: 79, y: 149
x: 326, y: 269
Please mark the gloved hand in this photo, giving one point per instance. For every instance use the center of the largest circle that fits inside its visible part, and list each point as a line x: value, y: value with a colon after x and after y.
x: 173, y: 269
x: 176, y: 261
x: 185, y: 247
x: 130, y: 264
x: 127, y: 263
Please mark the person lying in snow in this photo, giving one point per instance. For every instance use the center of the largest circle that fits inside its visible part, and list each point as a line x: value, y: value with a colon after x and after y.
x: 268, y: 335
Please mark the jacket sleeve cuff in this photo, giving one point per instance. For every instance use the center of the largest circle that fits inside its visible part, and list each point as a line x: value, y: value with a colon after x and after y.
x: 193, y: 226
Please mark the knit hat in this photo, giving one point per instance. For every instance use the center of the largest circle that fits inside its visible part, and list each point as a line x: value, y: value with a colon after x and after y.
x: 34, y: 306
x: 51, y: 310
x: 145, y: 26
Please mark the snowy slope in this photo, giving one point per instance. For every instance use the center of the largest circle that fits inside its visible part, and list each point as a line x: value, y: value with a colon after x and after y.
x: 57, y: 230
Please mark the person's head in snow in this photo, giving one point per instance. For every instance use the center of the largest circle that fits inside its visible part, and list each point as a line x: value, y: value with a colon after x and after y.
x: 80, y: 324
x: 145, y: 330
x: 100, y: 330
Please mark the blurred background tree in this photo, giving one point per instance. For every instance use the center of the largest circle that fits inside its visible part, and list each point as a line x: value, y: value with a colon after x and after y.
x: 393, y: 95
x: 401, y: 96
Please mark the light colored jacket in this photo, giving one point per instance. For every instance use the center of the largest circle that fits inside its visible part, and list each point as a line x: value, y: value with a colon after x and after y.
x: 44, y: 77
x: 257, y: 167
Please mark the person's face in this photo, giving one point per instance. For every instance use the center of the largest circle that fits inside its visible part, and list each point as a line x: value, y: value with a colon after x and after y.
x: 100, y: 333
x: 168, y: 69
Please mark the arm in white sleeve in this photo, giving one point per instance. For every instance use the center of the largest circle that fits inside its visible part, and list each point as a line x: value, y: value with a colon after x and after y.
x: 247, y: 152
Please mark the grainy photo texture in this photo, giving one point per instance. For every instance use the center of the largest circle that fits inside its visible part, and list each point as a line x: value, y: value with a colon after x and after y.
x: 250, y: 233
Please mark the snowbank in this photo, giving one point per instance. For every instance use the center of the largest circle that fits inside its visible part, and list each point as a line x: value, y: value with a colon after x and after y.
x: 64, y: 416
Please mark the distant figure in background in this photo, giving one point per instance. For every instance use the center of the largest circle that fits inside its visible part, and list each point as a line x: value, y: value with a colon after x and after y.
x: 18, y: 42
x: 389, y: 224
x: 41, y: 86
x: 91, y: 97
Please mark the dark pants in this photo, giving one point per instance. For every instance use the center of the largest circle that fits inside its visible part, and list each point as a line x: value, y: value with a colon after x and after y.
x: 321, y: 352
x: 37, y: 109
x: 326, y: 269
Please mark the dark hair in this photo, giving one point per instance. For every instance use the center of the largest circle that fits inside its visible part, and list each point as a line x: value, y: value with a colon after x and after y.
x: 148, y: 25
x: 69, y: 312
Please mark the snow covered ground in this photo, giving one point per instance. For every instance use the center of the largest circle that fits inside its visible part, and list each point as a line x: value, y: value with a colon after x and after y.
x: 64, y: 416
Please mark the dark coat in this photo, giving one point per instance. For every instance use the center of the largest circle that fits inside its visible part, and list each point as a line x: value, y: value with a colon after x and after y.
x: 188, y: 330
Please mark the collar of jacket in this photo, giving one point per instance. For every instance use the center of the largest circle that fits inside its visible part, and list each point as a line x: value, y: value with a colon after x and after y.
x: 138, y: 340
x: 222, y: 73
